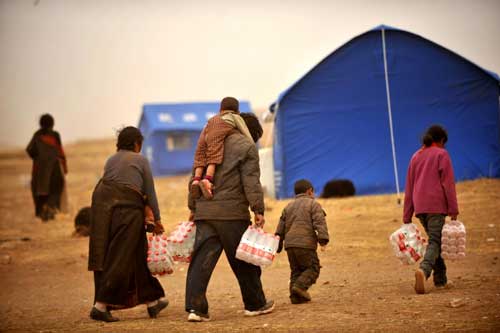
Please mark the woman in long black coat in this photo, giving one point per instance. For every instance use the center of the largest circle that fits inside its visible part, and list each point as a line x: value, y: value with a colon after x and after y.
x: 49, y: 168
x: 118, y: 244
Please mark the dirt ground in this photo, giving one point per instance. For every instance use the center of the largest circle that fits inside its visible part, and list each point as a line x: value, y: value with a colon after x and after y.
x: 45, y: 285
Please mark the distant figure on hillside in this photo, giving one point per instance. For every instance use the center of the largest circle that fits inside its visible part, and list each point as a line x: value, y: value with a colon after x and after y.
x: 49, y: 168
x: 430, y: 194
x: 301, y: 227
x: 118, y: 244
x: 210, y: 148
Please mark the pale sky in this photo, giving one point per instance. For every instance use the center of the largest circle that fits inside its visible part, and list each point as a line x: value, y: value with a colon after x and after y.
x: 92, y: 64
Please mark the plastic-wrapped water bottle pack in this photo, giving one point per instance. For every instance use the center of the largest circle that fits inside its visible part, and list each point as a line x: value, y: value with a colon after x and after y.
x: 181, y: 241
x: 453, y: 240
x: 257, y: 247
x: 159, y: 260
x: 408, y: 244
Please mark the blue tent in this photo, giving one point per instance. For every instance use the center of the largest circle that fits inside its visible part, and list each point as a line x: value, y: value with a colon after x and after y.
x: 360, y: 113
x: 171, y: 133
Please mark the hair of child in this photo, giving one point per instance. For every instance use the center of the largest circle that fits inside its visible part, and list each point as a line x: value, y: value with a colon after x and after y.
x: 302, y: 185
x: 435, y: 133
x: 230, y: 103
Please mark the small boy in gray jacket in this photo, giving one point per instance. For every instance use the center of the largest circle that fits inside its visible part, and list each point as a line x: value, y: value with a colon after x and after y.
x: 302, y: 226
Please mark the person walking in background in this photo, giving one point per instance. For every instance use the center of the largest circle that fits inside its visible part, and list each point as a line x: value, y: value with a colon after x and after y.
x: 118, y: 244
x: 210, y: 147
x: 430, y: 195
x: 221, y: 222
x: 49, y: 168
x: 301, y: 227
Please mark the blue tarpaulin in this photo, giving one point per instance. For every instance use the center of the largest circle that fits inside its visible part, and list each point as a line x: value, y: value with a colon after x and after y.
x: 171, y: 133
x: 360, y: 114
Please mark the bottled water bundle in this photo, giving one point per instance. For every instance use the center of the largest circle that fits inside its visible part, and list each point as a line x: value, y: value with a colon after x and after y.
x: 159, y: 260
x: 257, y: 247
x: 408, y: 244
x: 453, y: 240
x: 181, y: 241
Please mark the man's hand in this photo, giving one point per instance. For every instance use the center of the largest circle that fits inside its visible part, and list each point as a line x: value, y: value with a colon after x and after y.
x: 158, y: 230
x: 259, y: 220
x: 322, y: 248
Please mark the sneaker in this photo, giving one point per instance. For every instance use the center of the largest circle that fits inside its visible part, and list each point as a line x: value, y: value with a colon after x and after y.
x: 153, y: 311
x: 102, y: 316
x: 196, y: 317
x: 206, y: 189
x: 419, y: 281
x: 302, y: 293
x: 195, y: 190
x: 267, y: 308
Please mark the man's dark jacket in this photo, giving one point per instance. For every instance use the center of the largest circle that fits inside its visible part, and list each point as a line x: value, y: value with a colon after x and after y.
x: 236, y: 184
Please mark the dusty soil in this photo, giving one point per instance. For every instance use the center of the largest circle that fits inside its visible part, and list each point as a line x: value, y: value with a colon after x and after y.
x: 46, y: 287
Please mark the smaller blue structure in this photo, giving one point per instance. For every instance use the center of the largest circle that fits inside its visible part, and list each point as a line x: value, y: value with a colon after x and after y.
x: 171, y: 132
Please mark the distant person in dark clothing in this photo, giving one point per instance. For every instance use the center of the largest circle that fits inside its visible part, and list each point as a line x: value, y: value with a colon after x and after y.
x: 118, y: 244
x: 221, y: 222
x: 49, y: 168
x: 301, y: 227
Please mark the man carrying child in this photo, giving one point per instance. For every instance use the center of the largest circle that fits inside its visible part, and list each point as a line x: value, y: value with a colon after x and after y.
x: 221, y: 222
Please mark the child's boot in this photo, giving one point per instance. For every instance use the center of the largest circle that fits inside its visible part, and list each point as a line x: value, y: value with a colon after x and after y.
x: 195, y: 189
x: 205, y: 186
x: 295, y: 299
x: 302, y: 293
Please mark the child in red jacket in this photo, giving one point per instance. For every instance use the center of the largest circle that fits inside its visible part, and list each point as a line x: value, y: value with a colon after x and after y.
x: 430, y: 195
x: 210, y: 148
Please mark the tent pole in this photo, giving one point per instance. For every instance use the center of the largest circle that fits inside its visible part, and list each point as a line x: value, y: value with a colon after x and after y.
x: 388, y: 93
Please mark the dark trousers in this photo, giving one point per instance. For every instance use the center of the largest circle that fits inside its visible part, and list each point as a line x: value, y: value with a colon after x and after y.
x: 125, y: 280
x: 47, y: 204
x: 211, y: 238
x: 433, y: 262
x: 304, y: 266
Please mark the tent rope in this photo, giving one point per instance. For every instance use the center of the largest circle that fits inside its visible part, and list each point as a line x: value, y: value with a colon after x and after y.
x: 388, y: 93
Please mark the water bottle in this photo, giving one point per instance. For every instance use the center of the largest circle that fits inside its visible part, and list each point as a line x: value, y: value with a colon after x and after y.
x: 257, y: 251
x: 241, y: 253
x: 150, y: 267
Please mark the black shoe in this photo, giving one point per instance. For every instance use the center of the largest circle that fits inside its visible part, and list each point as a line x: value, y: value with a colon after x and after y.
x: 153, y: 311
x: 102, y: 316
